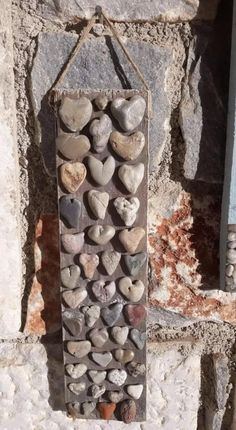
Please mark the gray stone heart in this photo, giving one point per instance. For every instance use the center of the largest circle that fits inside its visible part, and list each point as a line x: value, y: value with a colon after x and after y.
x: 138, y: 338
x: 97, y: 376
x: 104, y: 291
x: 75, y: 113
x: 97, y: 391
x: 101, y: 172
x: 101, y: 101
x: 73, y: 146
x: 76, y: 370
x: 70, y: 210
x: 135, y: 391
x: 77, y: 387
x: 120, y: 334
x: 72, y: 243
x: 101, y: 234
x: 98, y: 203
x: 73, y: 321
x: 115, y: 396
x: 79, y: 348
x: 102, y: 358
x: 72, y: 175
x: 127, y: 209
x: 70, y: 276
x: 135, y: 262
x: 131, y: 239
x: 123, y: 355
x: 112, y: 313
x: 73, y: 298
x: 89, y: 263
x: 129, y: 113
x: 110, y: 260
x: 117, y: 376
x: 127, y: 147
x: 132, y: 290
x: 100, y: 129
x: 91, y: 314
x: 88, y: 408
x: 98, y: 337
x: 131, y: 176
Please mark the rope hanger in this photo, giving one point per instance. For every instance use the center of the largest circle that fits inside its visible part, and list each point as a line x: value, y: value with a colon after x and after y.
x: 99, y: 13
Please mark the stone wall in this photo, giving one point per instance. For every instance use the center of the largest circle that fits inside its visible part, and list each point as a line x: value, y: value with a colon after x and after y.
x: 183, y: 51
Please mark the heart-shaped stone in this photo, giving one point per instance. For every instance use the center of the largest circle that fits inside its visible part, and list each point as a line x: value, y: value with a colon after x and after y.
x: 138, y: 338
x: 70, y: 210
x: 72, y: 175
x: 110, y: 260
x: 131, y: 239
x: 79, y: 348
x: 73, y: 146
x: 75, y: 113
x: 101, y: 101
x: 128, y: 411
x: 88, y: 408
x: 115, y: 396
x: 73, y: 321
x: 98, y: 203
x: 123, y: 355
x: 129, y: 113
x: 136, y: 369
x: 77, y: 387
x: 72, y: 243
x: 70, y: 276
x: 101, y: 172
x: 127, y: 209
x: 104, y: 291
x: 98, y: 336
x: 127, y: 147
x: 91, y: 314
x: 120, y: 334
x: 101, y: 234
x: 133, y: 290
x: 135, y: 391
x: 112, y: 313
x: 73, y: 298
x: 97, y: 391
x: 102, y: 358
x: 89, y: 263
x: 135, y: 314
x: 97, y: 376
x: 135, y: 262
x: 76, y: 370
x: 131, y: 176
x: 100, y: 129
x: 117, y: 376
x: 73, y: 409
x: 106, y: 410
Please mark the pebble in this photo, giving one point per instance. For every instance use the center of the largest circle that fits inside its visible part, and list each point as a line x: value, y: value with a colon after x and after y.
x: 73, y: 321
x: 131, y: 239
x: 112, y: 313
x: 72, y: 243
x: 77, y: 387
x: 97, y: 391
x: 98, y: 203
x: 89, y: 262
x: 102, y: 291
x: 70, y: 276
x: 115, y: 396
x: 73, y: 298
x: 229, y: 270
x: 131, y: 176
x: 75, y: 113
x: 129, y: 113
x: 135, y: 262
x: 127, y: 147
x: 138, y: 338
x: 98, y: 337
x: 73, y: 146
x: 102, y: 358
x: 229, y: 281
x: 101, y: 234
x: 101, y: 101
x: 91, y: 314
x: 110, y: 261
x: 127, y: 209
x: 120, y: 334
x: 101, y: 172
x: 100, y: 129
x: 135, y: 314
x: 232, y: 245
x: 123, y: 355
x: 117, y: 376
x: 88, y: 408
x: 132, y: 290
x: 97, y: 376
x: 128, y: 411
x: 231, y: 256
x: 72, y: 175
x: 79, y: 348
x: 76, y: 370
x: 231, y: 236
x: 135, y: 391
x: 70, y: 211
x: 136, y: 369
x: 106, y: 410
x: 74, y: 409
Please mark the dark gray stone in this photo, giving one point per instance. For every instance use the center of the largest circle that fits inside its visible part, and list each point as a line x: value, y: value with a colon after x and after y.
x: 111, y: 314
x: 70, y: 210
x: 135, y: 262
x: 100, y: 64
x: 73, y: 322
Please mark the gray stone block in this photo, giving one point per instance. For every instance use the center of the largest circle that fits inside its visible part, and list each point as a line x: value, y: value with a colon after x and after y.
x: 99, y: 64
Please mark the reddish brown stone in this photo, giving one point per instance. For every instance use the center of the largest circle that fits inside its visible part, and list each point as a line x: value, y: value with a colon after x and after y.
x: 135, y: 314
x: 128, y: 411
x: 106, y: 410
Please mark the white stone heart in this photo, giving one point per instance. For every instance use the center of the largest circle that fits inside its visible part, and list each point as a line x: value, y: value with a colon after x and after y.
x: 79, y: 348
x: 129, y: 113
x: 135, y: 391
x: 132, y: 290
x: 97, y: 376
x: 73, y: 298
x: 76, y: 370
x: 70, y: 276
x: 131, y: 176
x: 98, y: 203
x: 117, y: 376
x: 98, y: 337
x: 77, y: 387
x: 127, y: 209
x: 120, y: 334
x: 101, y: 172
x: 110, y: 260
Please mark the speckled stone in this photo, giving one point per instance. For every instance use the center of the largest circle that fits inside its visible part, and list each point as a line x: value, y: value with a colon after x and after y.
x: 128, y: 411
x: 132, y: 290
x: 75, y: 113
x: 123, y: 355
x: 74, y: 298
x: 98, y: 202
x: 131, y: 176
x: 97, y: 391
x: 89, y: 263
x: 135, y: 391
x: 101, y: 234
x: 72, y: 243
x: 101, y: 172
x: 135, y: 314
x: 72, y: 175
x: 97, y: 376
x: 70, y: 276
x: 98, y: 336
x: 73, y: 146
x: 73, y: 321
x: 135, y: 262
x: 91, y: 314
x: 112, y: 313
x: 76, y: 370
x: 127, y: 147
x: 136, y: 369
x: 117, y: 376
x: 129, y: 113
x: 104, y: 291
x: 106, y: 410
x: 77, y: 387
x: 102, y: 358
x: 79, y: 348
x: 110, y: 261
x: 138, y: 338
x: 127, y: 209
x: 120, y: 334
x: 131, y: 239
x: 70, y: 211
x: 100, y: 130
